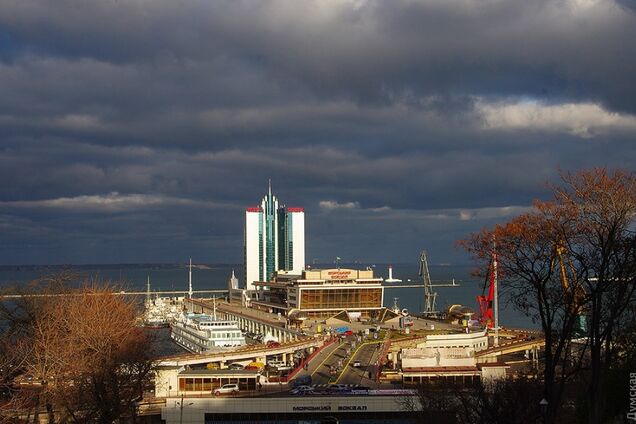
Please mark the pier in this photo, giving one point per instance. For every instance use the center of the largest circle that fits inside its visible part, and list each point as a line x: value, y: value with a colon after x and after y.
x: 182, y: 293
x: 247, y: 319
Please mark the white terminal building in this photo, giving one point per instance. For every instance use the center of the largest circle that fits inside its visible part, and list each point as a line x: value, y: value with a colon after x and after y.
x: 322, y: 293
x: 274, y: 240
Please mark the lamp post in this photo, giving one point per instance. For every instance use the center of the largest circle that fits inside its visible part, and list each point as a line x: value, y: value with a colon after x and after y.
x: 543, y: 405
x: 181, y: 405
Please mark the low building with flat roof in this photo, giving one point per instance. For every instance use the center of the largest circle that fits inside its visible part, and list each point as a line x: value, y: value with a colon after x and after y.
x: 321, y: 293
x: 387, y: 409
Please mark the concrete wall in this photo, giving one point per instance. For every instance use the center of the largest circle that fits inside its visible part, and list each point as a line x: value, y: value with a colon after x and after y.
x: 251, y: 248
x: 491, y: 374
x: 477, y: 341
x: 424, y: 358
x: 166, y: 381
x: 298, y: 238
x: 195, y: 408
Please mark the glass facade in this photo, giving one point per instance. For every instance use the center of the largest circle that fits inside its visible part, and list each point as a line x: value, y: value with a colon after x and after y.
x: 285, y: 240
x: 341, y: 298
x: 205, y: 384
x: 274, y: 240
x: 270, y: 236
x: 261, y: 258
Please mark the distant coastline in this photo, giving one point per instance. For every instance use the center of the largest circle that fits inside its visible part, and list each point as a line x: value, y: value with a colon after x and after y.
x: 172, y: 265
x: 58, y: 267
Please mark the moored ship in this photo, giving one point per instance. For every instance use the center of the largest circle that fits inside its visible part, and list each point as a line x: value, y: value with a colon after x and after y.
x: 159, y: 312
x: 199, y: 333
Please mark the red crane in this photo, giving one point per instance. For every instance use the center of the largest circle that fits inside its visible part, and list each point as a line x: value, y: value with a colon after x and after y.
x: 485, y: 302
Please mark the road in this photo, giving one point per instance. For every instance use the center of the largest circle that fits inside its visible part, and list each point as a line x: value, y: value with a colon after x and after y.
x: 367, y: 355
x: 335, y: 359
x: 335, y: 366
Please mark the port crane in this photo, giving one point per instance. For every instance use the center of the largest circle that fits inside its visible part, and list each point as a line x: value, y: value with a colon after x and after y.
x: 430, y: 296
x: 570, y: 285
x: 486, y: 301
x: 489, y: 304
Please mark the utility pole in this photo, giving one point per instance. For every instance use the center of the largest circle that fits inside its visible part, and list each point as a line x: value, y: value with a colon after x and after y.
x: 181, y: 409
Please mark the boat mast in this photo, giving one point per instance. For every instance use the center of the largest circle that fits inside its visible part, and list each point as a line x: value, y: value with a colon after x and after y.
x: 190, y: 280
x: 148, y: 290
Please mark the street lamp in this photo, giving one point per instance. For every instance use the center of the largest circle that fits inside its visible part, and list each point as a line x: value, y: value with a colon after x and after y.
x: 543, y: 404
x: 181, y: 405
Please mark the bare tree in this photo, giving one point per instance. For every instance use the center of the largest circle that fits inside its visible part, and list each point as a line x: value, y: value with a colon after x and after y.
x: 569, y: 258
x: 84, y: 356
x: 604, y: 248
x: 526, y: 249
x: 497, y: 402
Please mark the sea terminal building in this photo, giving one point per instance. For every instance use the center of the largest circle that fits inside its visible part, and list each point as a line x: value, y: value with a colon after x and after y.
x: 321, y: 293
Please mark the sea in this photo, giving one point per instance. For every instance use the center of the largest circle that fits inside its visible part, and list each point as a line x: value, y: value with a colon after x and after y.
x: 133, y: 277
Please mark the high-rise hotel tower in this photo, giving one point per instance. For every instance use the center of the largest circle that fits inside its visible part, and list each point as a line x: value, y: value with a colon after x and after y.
x: 274, y: 240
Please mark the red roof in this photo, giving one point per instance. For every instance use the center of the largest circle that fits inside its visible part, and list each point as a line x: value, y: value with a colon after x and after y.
x: 254, y: 209
x: 295, y: 209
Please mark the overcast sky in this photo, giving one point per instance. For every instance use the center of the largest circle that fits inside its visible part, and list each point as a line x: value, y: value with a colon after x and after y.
x: 139, y: 130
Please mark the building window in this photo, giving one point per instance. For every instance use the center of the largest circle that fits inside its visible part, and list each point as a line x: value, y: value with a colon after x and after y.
x: 349, y: 298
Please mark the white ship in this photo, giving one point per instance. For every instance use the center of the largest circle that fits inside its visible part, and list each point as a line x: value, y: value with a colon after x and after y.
x: 159, y: 312
x: 199, y: 333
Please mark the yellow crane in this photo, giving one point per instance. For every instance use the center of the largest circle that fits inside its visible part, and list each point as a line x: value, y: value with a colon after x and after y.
x: 573, y: 289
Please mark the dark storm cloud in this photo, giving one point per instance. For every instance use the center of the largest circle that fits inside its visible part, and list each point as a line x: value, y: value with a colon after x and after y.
x: 140, y: 130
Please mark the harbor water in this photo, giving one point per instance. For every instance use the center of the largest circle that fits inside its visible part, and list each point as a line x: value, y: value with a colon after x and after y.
x: 133, y: 277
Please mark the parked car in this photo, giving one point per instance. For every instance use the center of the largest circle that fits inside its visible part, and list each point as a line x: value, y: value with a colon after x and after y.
x: 302, y: 390
x: 303, y: 380
x: 356, y: 364
x: 273, y: 343
x: 338, y: 388
x: 236, y: 366
x: 227, y: 388
x: 360, y: 390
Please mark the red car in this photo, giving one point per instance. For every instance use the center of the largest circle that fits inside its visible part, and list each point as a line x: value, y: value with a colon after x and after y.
x: 348, y: 333
x: 272, y: 343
